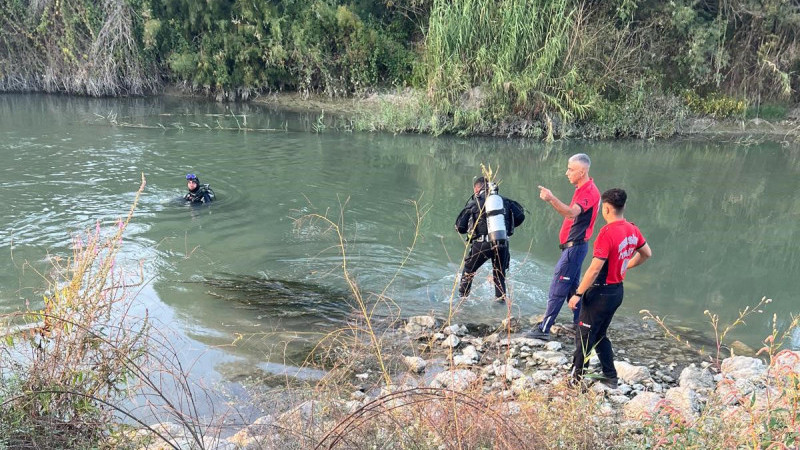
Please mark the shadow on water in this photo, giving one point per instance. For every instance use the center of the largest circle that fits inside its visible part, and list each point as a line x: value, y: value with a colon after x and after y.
x: 281, y: 298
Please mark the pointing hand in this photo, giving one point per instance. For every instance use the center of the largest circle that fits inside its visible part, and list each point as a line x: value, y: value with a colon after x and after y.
x: 545, y: 193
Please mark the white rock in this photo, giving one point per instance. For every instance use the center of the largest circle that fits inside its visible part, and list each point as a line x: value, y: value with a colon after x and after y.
x: 550, y: 358
x: 462, y: 360
x: 630, y: 373
x: 618, y: 399
x: 684, y: 400
x: 543, y: 376
x: 452, y: 341
x: 457, y: 380
x: 553, y: 346
x: 532, y: 343
x: 423, y: 321
x: 786, y: 363
x: 745, y: 367
x: 697, y: 379
x: 415, y: 364
x: 522, y: 384
x: 643, y: 406
x: 508, y: 372
x: 471, y: 352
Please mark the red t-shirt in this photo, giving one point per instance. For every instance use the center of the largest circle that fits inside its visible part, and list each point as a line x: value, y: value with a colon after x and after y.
x: 616, y: 243
x: 581, y: 227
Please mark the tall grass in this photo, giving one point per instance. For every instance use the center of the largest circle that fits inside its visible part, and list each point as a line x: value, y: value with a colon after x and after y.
x: 516, y: 51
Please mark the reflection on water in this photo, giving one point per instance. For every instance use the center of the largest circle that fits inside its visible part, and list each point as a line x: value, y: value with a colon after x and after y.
x: 721, y: 218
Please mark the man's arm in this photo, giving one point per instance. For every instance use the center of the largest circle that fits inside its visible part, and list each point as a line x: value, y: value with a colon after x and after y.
x: 568, y: 212
x: 643, y: 253
x: 587, y: 281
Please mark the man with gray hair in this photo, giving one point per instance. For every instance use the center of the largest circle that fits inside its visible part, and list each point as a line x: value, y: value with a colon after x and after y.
x: 576, y: 229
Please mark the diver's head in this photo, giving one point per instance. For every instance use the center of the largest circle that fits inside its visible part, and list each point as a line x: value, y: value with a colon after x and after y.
x: 192, y: 182
x: 478, y: 185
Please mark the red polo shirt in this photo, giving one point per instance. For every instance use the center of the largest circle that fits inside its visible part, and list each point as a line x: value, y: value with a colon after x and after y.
x: 616, y: 243
x: 581, y: 227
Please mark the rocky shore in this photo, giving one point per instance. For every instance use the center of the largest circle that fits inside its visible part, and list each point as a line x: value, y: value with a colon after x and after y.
x: 659, y: 384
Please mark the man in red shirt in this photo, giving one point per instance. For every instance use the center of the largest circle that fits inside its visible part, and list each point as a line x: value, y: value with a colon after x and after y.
x: 576, y: 229
x: 619, y: 246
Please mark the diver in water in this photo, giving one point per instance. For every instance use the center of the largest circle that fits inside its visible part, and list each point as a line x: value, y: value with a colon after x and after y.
x: 488, y: 220
x: 198, y: 193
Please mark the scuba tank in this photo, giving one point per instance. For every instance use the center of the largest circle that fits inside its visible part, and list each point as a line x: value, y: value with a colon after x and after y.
x: 495, y: 219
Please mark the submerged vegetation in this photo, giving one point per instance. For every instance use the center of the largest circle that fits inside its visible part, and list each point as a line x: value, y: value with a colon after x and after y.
x: 524, y: 67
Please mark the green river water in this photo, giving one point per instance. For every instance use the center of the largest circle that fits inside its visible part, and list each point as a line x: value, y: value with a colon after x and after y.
x: 720, y: 216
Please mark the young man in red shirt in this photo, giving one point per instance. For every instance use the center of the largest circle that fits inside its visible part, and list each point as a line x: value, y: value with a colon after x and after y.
x: 619, y: 246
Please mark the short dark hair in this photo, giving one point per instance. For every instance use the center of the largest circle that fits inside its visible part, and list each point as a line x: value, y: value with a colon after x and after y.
x: 479, y: 180
x: 615, y: 197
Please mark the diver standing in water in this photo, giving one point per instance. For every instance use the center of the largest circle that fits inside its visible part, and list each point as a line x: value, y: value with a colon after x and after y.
x: 198, y: 193
x: 488, y: 220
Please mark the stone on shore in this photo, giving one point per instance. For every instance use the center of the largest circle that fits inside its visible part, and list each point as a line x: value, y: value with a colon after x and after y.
x: 420, y: 324
x: 693, y: 377
x: 457, y: 379
x: 415, y: 364
x: 632, y: 374
x: 742, y: 367
x: 685, y: 400
x: 786, y: 363
x: 643, y: 406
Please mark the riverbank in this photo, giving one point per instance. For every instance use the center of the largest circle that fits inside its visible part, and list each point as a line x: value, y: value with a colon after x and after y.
x: 406, y: 111
x: 481, y: 385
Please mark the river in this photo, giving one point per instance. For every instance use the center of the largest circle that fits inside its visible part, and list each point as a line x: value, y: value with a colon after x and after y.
x: 720, y: 215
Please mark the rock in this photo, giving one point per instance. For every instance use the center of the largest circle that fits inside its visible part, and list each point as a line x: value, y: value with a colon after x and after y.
x: 730, y: 391
x: 631, y: 374
x: 685, y: 400
x: 507, y: 371
x: 739, y: 348
x: 522, y: 384
x: 618, y: 399
x: 462, y: 360
x: 471, y: 352
x: 457, y: 380
x: 439, y: 336
x: 527, y: 342
x: 550, y: 358
x: 643, y: 406
x: 745, y: 367
x: 543, y: 376
x: 458, y: 330
x: 417, y: 325
x: 452, y: 341
x: 511, y: 324
x: 697, y: 379
x: 415, y: 364
x: 428, y: 322
x: 301, y: 416
x: 786, y: 363
x: 553, y: 346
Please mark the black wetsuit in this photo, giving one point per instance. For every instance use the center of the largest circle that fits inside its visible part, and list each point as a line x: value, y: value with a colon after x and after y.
x: 203, y: 194
x: 472, y: 221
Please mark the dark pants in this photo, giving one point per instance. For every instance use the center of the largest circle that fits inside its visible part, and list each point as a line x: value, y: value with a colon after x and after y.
x: 479, y: 253
x: 599, y: 305
x: 565, y: 281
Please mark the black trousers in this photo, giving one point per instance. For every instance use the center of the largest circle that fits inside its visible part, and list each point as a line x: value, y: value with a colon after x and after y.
x: 479, y: 253
x: 598, y: 306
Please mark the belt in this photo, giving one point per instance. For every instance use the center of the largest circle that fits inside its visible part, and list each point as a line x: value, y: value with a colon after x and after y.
x: 485, y: 238
x: 569, y: 244
x: 608, y: 284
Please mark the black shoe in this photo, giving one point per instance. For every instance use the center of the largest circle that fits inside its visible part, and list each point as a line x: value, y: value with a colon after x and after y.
x: 536, y: 333
x: 611, y: 383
